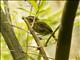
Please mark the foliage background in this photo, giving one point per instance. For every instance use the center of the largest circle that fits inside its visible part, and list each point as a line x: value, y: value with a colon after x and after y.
x: 50, y: 13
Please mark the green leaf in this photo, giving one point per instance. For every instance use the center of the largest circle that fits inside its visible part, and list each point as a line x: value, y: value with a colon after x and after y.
x: 34, y: 4
x: 53, y: 18
x: 42, y: 4
x: 45, y: 11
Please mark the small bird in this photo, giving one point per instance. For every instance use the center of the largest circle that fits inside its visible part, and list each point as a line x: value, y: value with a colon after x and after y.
x: 41, y: 28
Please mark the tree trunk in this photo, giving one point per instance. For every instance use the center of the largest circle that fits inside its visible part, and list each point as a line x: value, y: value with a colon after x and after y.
x: 10, y: 38
x: 65, y: 32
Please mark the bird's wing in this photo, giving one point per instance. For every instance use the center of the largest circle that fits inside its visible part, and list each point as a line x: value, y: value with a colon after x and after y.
x: 45, y: 26
x: 42, y: 28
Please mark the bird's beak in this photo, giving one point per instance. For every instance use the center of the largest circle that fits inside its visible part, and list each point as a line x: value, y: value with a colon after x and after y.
x: 23, y: 18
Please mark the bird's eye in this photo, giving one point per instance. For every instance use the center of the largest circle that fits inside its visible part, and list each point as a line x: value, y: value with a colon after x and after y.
x: 30, y: 20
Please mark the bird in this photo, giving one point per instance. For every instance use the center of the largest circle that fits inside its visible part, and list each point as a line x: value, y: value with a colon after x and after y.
x: 40, y: 27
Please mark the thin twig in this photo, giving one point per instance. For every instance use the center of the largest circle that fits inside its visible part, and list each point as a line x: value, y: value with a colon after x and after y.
x: 36, y: 14
x: 15, y: 26
x: 35, y: 46
x: 52, y: 35
x: 40, y: 55
x: 19, y: 28
x: 30, y: 10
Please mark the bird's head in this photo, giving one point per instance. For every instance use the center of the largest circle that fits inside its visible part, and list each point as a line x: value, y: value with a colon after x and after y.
x: 30, y: 18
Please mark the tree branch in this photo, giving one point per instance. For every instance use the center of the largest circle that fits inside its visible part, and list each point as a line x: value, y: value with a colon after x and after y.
x: 37, y: 40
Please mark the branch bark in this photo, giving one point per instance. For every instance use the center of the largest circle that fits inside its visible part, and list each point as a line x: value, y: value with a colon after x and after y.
x: 10, y: 38
x: 65, y: 32
x: 36, y: 40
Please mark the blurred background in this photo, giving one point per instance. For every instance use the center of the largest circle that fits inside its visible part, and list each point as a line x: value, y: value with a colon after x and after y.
x: 50, y: 12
